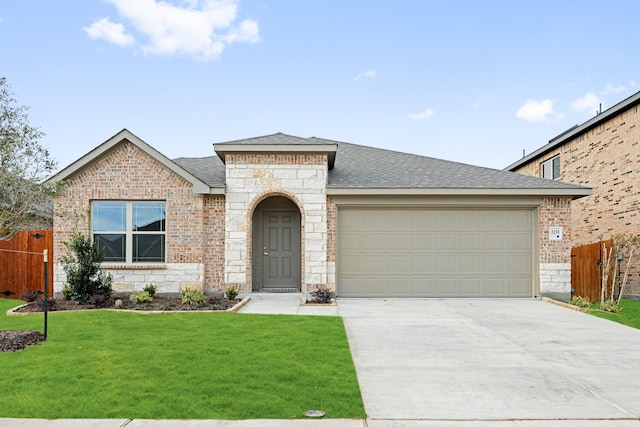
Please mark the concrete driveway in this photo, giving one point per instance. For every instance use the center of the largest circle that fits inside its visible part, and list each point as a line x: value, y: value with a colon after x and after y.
x: 482, y: 359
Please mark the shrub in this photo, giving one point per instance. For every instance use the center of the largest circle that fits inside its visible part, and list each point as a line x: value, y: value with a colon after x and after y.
x: 582, y: 302
x: 150, y: 289
x: 31, y: 296
x: 611, y: 307
x: 82, y: 265
x: 193, y: 297
x: 231, y: 293
x: 65, y: 292
x: 51, y: 304
x: 99, y: 301
x: 321, y: 295
x: 141, y: 297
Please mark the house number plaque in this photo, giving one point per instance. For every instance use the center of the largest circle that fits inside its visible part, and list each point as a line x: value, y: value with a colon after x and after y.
x: 555, y: 233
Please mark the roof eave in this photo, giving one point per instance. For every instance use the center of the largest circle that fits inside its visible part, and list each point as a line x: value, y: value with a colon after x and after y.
x: 575, y: 193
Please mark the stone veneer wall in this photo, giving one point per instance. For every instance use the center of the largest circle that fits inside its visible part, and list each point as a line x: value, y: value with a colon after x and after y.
x: 555, y: 255
x: 607, y: 159
x: 128, y: 173
x: 252, y: 178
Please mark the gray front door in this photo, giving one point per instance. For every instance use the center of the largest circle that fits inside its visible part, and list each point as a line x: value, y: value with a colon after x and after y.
x: 280, y: 249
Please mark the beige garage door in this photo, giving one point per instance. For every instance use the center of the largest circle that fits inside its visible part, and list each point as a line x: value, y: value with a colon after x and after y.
x: 435, y: 252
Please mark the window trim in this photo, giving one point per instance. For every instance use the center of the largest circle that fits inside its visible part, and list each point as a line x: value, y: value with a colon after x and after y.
x: 129, y: 232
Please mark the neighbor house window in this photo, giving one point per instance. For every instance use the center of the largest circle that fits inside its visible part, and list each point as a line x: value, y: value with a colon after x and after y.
x: 550, y: 169
x: 129, y: 232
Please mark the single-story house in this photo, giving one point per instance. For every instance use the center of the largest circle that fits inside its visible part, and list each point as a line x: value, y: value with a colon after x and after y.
x: 284, y: 213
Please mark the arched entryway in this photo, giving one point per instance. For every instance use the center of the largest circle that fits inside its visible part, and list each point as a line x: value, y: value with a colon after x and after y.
x: 276, y: 244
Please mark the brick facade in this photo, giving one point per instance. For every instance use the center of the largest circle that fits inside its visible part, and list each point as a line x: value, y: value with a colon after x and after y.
x: 555, y: 255
x: 607, y: 159
x: 128, y: 173
x: 209, y: 236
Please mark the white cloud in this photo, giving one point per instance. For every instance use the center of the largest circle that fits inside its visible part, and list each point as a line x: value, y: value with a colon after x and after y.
x: 535, y: 111
x: 369, y: 74
x: 423, y: 115
x: 612, y: 89
x: 589, y: 102
x: 109, y: 31
x: 202, y: 29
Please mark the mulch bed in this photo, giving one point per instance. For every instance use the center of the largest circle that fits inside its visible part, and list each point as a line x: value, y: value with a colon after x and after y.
x: 158, y: 304
x: 19, y: 340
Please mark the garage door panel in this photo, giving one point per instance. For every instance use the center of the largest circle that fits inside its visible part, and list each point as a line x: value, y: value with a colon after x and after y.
x: 471, y: 286
x: 422, y: 263
x: 472, y: 264
x: 471, y: 241
x: 519, y: 241
x: 435, y: 252
x: 397, y: 264
x: 519, y: 264
x: 446, y: 242
x: 398, y: 241
x: 422, y: 241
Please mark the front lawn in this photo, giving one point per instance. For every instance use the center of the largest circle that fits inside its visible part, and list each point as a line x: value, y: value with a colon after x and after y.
x: 180, y: 365
x: 630, y: 314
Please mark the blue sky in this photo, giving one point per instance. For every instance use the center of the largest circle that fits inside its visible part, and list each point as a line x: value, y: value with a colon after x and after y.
x: 471, y: 81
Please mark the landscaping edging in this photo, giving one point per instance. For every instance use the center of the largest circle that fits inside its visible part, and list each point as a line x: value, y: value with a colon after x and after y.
x: 13, y: 311
x: 564, y: 304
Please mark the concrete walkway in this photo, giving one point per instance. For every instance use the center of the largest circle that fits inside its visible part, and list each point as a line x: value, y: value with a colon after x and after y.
x: 468, y: 363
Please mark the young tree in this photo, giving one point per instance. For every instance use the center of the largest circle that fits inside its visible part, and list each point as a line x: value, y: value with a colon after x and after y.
x: 25, y: 165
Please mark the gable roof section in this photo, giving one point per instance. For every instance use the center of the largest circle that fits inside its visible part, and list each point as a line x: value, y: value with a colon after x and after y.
x: 278, y: 143
x: 199, y: 186
x: 577, y: 130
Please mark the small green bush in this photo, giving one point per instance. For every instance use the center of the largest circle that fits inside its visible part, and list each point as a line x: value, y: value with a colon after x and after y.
x: 82, y: 266
x: 582, y: 302
x: 231, y: 293
x: 193, y: 297
x: 65, y: 292
x: 611, y: 307
x: 150, y: 289
x: 141, y: 297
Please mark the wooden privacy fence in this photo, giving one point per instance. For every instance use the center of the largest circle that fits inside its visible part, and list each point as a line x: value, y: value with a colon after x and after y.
x: 586, y: 273
x: 22, y: 263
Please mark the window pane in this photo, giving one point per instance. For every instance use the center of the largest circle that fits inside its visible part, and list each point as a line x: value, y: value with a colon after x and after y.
x: 109, y: 216
x: 113, y: 246
x: 148, y: 216
x: 556, y: 167
x: 148, y: 248
x: 546, y: 170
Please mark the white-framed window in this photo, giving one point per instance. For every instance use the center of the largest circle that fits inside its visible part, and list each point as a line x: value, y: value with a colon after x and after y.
x: 550, y: 169
x: 130, y: 231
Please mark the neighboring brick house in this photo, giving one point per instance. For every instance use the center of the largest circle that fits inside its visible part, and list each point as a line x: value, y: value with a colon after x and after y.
x: 603, y: 153
x: 282, y: 213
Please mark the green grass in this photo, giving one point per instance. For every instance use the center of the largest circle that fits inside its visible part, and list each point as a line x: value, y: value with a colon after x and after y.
x: 630, y: 314
x: 181, y: 365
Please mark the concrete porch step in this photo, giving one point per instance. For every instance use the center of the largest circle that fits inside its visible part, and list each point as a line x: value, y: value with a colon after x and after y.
x: 275, y: 296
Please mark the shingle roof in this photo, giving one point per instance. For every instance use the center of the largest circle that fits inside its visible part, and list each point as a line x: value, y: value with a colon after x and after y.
x: 359, y: 166
x: 277, y: 139
x: 209, y: 169
x: 362, y: 167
